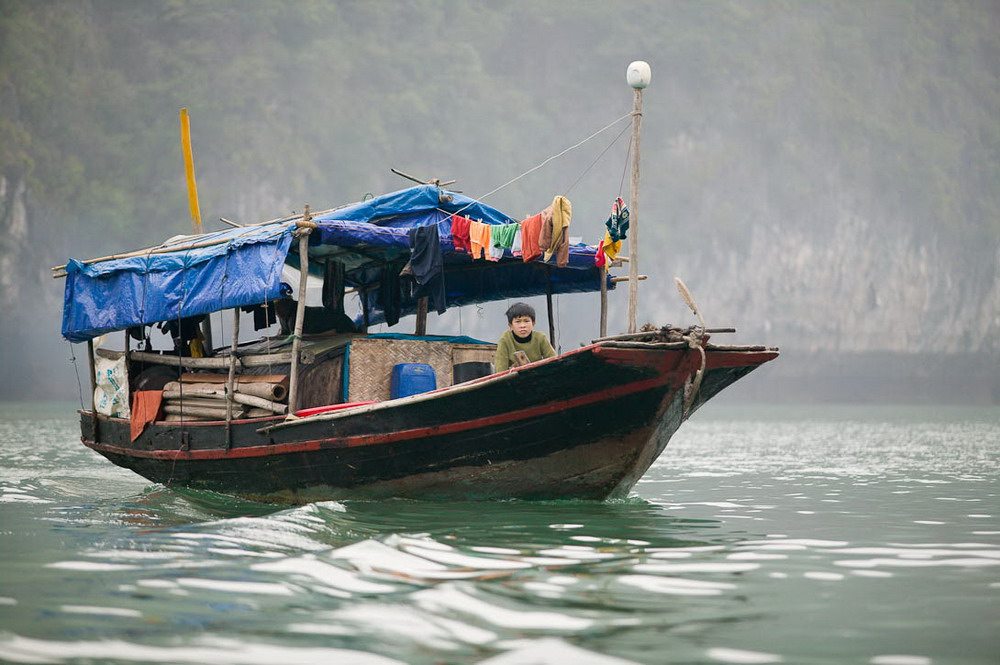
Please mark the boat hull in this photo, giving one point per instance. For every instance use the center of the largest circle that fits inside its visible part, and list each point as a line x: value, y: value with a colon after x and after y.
x: 584, y: 425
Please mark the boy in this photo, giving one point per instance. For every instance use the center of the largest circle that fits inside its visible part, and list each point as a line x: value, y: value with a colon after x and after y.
x: 521, y: 338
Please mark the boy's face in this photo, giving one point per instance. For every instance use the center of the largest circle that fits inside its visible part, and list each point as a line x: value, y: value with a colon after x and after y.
x: 521, y: 325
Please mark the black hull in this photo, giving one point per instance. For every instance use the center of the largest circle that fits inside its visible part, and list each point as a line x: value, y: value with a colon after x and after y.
x: 585, y: 425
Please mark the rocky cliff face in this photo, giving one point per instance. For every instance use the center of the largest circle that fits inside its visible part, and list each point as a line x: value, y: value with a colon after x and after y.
x: 860, y: 285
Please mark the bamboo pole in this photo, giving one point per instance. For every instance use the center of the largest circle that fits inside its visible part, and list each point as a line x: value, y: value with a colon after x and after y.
x: 221, y: 399
x: 548, y: 305
x: 203, y: 411
x: 604, y: 297
x: 192, y: 186
x: 60, y: 271
x: 219, y: 363
x: 305, y: 227
x: 268, y: 391
x: 232, y: 375
x: 633, y: 240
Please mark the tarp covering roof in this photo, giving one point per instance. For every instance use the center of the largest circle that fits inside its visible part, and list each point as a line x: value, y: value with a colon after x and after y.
x: 241, y: 267
x: 244, y: 268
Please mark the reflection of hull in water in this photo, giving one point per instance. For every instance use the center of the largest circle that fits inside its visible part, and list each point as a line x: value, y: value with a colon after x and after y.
x: 584, y: 425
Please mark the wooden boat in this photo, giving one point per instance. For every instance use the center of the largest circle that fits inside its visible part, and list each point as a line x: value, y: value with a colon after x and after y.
x: 585, y: 424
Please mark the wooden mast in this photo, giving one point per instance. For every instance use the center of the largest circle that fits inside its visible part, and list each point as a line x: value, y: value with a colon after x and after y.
x: 637, y: 75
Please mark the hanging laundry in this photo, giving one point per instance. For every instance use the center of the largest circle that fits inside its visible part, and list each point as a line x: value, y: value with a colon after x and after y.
x: 428, y: 265
x: 515, y: 246
x: 617, y: 230
x: 617, y: 223
x: 389, y: 294
x: 479, y: 238
x: 460, y: 233
x: 496, y: 251
x: 333, y: 286
x: 609, y: 247
x: 530, y: 230
x: 264, y: 316
x: 554, y: 238
x: 503, y: 235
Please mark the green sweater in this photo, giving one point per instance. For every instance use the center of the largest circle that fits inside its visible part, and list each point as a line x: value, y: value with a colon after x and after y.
x: 536, y: 348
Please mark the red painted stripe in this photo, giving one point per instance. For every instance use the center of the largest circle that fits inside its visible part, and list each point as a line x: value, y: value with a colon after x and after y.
x: 389, y: 437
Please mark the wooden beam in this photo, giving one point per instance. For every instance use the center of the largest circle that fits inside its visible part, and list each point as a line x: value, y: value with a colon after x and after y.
x: 421, y: 328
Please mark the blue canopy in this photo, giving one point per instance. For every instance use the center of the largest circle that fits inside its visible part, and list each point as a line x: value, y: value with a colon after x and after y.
x: 240, y: 267
x: 244, y: 268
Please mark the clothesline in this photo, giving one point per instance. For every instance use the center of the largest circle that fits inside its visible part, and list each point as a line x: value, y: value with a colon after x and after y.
x: 535, y: 168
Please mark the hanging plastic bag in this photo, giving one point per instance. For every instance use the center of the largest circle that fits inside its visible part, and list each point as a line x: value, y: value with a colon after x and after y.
x: 111, y: 396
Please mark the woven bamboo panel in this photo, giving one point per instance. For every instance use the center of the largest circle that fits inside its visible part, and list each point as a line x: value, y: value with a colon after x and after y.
x: 371, y: 362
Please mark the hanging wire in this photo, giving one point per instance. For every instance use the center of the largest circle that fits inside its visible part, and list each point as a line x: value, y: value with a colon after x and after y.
x: 72, y: 358
x: 535, y: 168
x: 628, y: 154
x: 613, y: 141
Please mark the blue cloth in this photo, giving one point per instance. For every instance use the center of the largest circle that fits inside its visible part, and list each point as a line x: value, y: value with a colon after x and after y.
x: 428, y: 266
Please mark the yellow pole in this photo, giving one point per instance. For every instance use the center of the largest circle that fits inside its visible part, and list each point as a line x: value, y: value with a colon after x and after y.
x: 189, y: 170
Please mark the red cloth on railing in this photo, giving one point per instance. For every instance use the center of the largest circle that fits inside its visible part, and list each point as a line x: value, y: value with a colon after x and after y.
x: 145, y: 409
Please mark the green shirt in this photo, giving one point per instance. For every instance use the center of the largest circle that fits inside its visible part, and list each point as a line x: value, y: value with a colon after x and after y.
x: 536, y: 348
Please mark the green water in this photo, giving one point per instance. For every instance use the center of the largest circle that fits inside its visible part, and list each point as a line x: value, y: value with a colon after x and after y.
x: 762, y: 535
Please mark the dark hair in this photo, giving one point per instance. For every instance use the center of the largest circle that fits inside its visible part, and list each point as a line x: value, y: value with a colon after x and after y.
x: 520, y: 309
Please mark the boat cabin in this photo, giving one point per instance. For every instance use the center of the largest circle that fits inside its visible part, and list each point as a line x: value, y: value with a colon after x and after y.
x: 408, y: 252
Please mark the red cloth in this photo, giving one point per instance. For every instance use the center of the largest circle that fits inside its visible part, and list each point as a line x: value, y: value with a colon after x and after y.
x: 530, y: 228
x: 145, y: 409
x: 460, y: 234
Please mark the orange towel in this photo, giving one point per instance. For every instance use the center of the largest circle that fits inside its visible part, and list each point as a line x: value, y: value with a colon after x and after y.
x: 530, y: 228
x: 145, y: 409
x: 479, y: 239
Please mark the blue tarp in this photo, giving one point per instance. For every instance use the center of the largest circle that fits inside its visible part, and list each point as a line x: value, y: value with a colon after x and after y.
x: 244, y: 268
x: 422, y: 199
